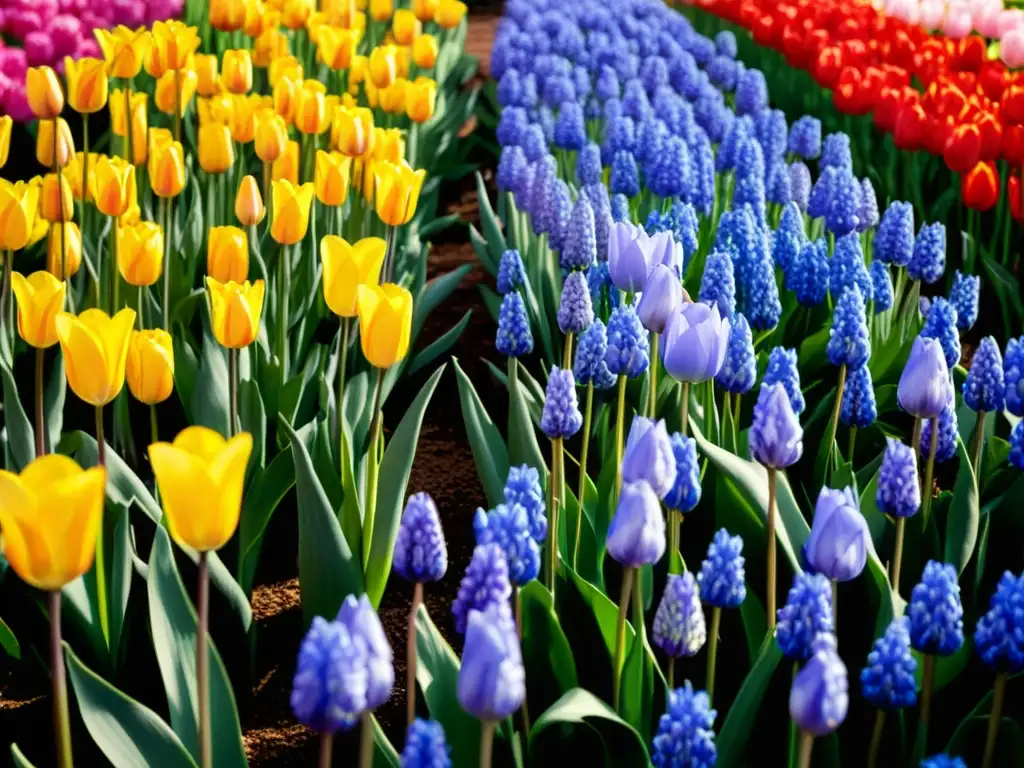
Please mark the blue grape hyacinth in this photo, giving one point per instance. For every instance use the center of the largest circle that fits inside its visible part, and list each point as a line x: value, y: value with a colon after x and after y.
x: 888, y: 677
x: 1017, y: 446
x: 894, y: 239
x: 841, y: 216
x: 847, y: 268
x: 808, y: 277
x: 800, y: 185
x: 806, y: 614
x: 628, y: 351
x: 425, y: 746
x: 945, y: 446
x: 575, y: 311
x: 561, y: 415
x: 751, y: 93
x: 849, y: 341
x: 928, y: 260
x: 836, y: 153
x: 522, y: 487
x: 421, y: 554
x: 984, y: 388
x: 485, y: 583
x: 783, y: 369
x: 718, y: 284
x: 508, y: 526
x: 964, y: 295
x: 821, y: 194
x: 804, y: 139
x: 943, y: 761
x: 940, y: 324
x: 722, y: 576
x: 511, y: 272
x: 789, y: 238
x: 625, y: 177
x: 1013, y: 376
x: 898, y: 492
x: 679, y: 628
x: 868, y: 212
x: 331, y: 680
x: 859, y: 408
x: 739, y: 371
x: 588, y: 165
x: 881, y: 286
x: 514, y: 338
x: 589, y: 366
x: 935, y: 613
x: 684, y: 495
x: 686, y: 735
x: 999, y: 636
x: 365, y: 628
x: 579, y: 249
x: 761, y: 303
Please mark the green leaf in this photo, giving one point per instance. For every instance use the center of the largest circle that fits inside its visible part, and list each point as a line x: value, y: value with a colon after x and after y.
x: 8, y: 641
x: 265, y: 493
x: 253, y: 419
x: 172, y: 621
x: 128, y: 733
x: 639, y: 684
x: 433, y: 295
x: 20, y: 434
x: 119, y: 578
x: 439, y: 346
x: 384, y: 754
x: 54, y: 400
x: 485, y: 440
x: 328, y: 571
x: 437, y: 673
x: 522, y: 437
x: 962, y: 523
x: 577, y: 717
x: 19, y: 759
x: 209, y: 405
x: 740, y: 722
x: 489, y: 221
x: 394, y: 477
x: 550, y: 669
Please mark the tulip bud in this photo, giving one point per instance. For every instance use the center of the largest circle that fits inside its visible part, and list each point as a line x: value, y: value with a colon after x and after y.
x: 216, y: 150
x: 40, y: 297
x: 236, y: 310
x: 287, y: 165
x: 649, y: 456
x: 55, y: 200
x: 837, y: 545
x: 396, y: 191
x: 346, y: 267
x: 818, y: 700
x: 492, y: 678
x: 65, y: 145
x: 382, y: 65
x: 249, y: 209
x: 43, y: 91
x: 113, y: 182
x: 208, y: 80
x: 636, y: 535
x: 385, y: 323
x: 150, y: 366
x: 87, y: 84
x: 424, y: 51
x: 405, y: 27
x: 311, y: 111
x: 924, y: 387
x: 71, y: 241
x: 95, y: 348
x: 167, y: 169
x: 140, y: 253
x: 420, y: 100
x: 352, y: 131
x: 236, y: 72
x: 271, y: 135
x: 776, y: 438
x: 19, y: 207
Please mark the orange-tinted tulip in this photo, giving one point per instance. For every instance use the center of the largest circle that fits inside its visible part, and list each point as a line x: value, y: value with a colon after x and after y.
x: 87, y: 84
x: 71, y: 241
x: 116, y: 104
x: 332, y: 177
x: 166, y: 100
x: 243, y: 118
x: 381, y: 10
x: 980, y: 187
x: 424, y: 9
x: 167, y: 168
x: 287, y: 165
x: 40, y: 297
x: 216, y: 150
x: 292, y: 205
x: 227, y: 255
x: 383, y: 67
x: 352, y: 131
x: 287, y: 96
x: 55, y: 200
x: 396, y: 191
x: 124, y: 49
x: 236, y: 72
x: 235, y: 311
x: 150, y: 366
x: 173, y: 44
x: 420, y: 100
x: 269, y: 45
x: 249, y: 208
x: 140, y: 253
x: 207, y: 74
x: 113, y: 185
x: 424, y: 51
x: 43, y: 91
x: 338, y: 46
x: 65, y: 146
x: 227, y: 15
x: 405, y: 26
x: 217, y: 109
x: 311, y: 113
x: 449, y: 13
x: 271, y: 135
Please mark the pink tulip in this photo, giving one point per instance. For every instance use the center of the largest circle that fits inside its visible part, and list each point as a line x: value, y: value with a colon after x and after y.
x: 38, y: 49
x: 1009, y: 20
x: 21, y: 22
x: 87, y: 46
x: 957, y: 24
x: 986, y: 19
x: 13, y: 63
x: 65, y: 30
x: 932, y: 12
x: 15, y: 103
x: 905, y: 10
x: 1011, y: 48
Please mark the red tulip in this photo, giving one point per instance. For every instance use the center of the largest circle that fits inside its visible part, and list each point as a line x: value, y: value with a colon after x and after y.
x: 979, y: 187
x: 766, y: 31
x: 1013, y: 144
x: 992, y: 79
x: 936, y: 134
x: 972, y: 54
x: 887, y: 108
x: 908, y: 132
x: 1013, y: 104
x: 828, y: 67
x: 1016, y: 199
x: 848, y: 93
x: 991, y: 135
x: 963, y: 148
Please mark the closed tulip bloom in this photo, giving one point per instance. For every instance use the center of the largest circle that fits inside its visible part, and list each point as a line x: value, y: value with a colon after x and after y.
x: 113, y: 183
x: 662, y: 294
x: 43, y: 91
x: 424, y: 9
x: 837, y: 545
x: 385, y: 323
x: 338, y: 46
x: 630, y: 256
x: 332, y: 177
x: 695, y: 342
x: 819, y: 699
x: 381, y: 10
x: 6, y: 126
x: 383, y: 67
x: 271, y: 135
x: 424, y: 51
x: 217, y: 109
x: 87, y: 84
x: 167, y: 169
x: 396, y: 191
x: 249, y: 208
x: 173, y: 44
x: 40, y: 297
x: 492, y: 679
x: 311, y: 110
x: 123, y: 49
x: 346, y: 267
x: 925, y: 387
x: 352, y: 131
x: 636, y: 535
x: 236, y: 311
x: 186, y: 82
x: 292, y: 205
x: 420, y: 100
x: 216, y: 149
x: 140, y: 251
x: 392, y: 98
x: 405, y: 27
x: 270, y: 44
x: 51, y: 515
x: 150, y: 368
x: 200, y: 477
x: 449, y: 13
x: 72, y: 244
x: 236, y: 71
x: 139, y: 102
x: 649, y: 456
x: 208, y: 78
x: 65, y: 148
x: 227, y: 15
x: 286, y: 167
x: 776, y: 438
x: 227, y: 255
x: 55, y: 200
x: 19, y: 206
x: 95, y: 348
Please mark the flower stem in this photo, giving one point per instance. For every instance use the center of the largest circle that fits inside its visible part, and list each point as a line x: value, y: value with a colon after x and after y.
x: 670, y: 676
x: 326, y: 748
x: 101, y: 563
x: 486, y: 742
x: 833, y: 423
x: 61, y: 722
x: 770, y: 596
x: 85, y: 189
x: 620, y: 634
x: 389, y: 254
x: 370, y: 493
x: 684, y: 427
x: 652, y: 373
x: 517, y: 601
x: 716, y: 622
x: 203, y: 664
x: 806, y: 745
x: 556, y: 493
x: 876, y: 738
x: 127, y: 124
x: 233, y: 396
x: 283, y: 289
x: 998, y: 694
x: 40, y: 418
x: 167, y: 205
x: 114, y: 274
x: 154, y: 425
x: 851, y: 445
x: 897, y: 554
x: 619, y: 428
x: 929, y: 471
x: 567, y: 352
x: 410, y: 652
x: 927, y: 683
x: 588, y: 410
x: 979, y: 442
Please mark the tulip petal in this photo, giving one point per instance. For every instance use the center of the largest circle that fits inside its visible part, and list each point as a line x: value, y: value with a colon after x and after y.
x: 83, y: 358
x: 228, y: 474
x: 182, y: 478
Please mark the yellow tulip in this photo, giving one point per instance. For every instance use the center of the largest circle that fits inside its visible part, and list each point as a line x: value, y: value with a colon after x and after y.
x: 346, y: 267
x: 236, y: 311
x: 236, y: 73
x: 357, y: 73
x: 383, y: 67
x: 385, y: 322
x: 285, y: 67
x: 258, y: 19
x: 269, y: 45
x: 227, y: 15
x: 43, y: 92
x: 124, y: 49
x: 19, y: 206
x: 227, y: 255
x: 338, y: 46
x: 6, y: 126
x: 173, y: 43
x: 87, y: 84
x: 208, y: 78
x: 132, y: 214
x: 55, y: 200
x: 424, y: 51
x: 140, y: 253
x: 294, y: 13
x: 243, y: 118
x: 286, y: 167
x: 73, y: 173
x: 186, y: 81
x: 51, y: 515
x: 287, y: 96
x: 116, y: 106
x: 40, y: 297
x: 65, y: 148
x: 166, y: 168
x: 95, y: 348
x: 311, y: 111
x: 405, y: 26
x: 271, y: 135
x: 341, y: 13
x: 352, y: 131
x: 316, y: 21
x: 292, y: 205
x: 331, y: 177
x: 200, y: 477
x: 113, y: 182
x: 381, y: 10
x: 396, y: 191
x: 217, y: 109
x: 420, y: 100
x: 216, y: 150
x: 424, y: 9
x: 249, y: 209
x: 72, y: 244
x: 449, y: 13
x: 392, y: 98
x: 150, y: 367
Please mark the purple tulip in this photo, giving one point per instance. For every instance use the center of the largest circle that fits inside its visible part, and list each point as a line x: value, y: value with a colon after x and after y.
x: 492, y: 680
x: 662, y: 294
x: 665, y: 250
x: 837, y: 546
x: 636, y: 535
x: 649, y: 456
x: 695, y: 342
x: 819, y: 698
x: 925, y: 387
x: 630, y: 256
x: 776, y: 437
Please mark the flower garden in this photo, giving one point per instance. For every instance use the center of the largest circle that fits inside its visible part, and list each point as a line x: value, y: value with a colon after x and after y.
x: 308, y: 460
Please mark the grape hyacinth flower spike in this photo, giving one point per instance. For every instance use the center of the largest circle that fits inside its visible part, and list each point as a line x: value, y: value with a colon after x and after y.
x: 485, y: 583
x: 722, y: 585
x: 859, y: 408
x: 964, y: 296
x: 898, y: 494
x: 627, y: 356
x: 685, y: 492
x: 849, y: 347
x: 560, y: 419
x: 984, y: 392
x: 425, y: 746
x: 686, y: 734
x: 679, y: 628
x: 887, y: 679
